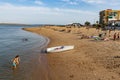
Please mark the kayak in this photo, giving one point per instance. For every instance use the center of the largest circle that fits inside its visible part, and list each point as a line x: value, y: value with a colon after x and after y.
x: 60, y: 48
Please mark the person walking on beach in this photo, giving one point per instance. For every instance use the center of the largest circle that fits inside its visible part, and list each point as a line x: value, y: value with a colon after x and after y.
x: 16, y: 61
x: 114, y: 36
x: 110, y: 32
x: 118, y: 36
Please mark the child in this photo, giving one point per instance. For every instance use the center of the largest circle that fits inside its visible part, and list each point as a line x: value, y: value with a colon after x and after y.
x: 16, y: 61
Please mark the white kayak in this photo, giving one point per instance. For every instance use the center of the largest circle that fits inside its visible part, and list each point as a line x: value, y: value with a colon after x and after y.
x: 60, y: 48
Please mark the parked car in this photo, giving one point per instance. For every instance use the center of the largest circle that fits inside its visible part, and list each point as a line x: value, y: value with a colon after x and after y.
x: 112, y: 27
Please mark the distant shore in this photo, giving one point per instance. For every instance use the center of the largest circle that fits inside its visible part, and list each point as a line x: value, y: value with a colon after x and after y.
x: 90, y: 60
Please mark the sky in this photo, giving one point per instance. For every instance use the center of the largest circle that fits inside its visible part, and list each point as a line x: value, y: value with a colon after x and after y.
x: 54, y: 11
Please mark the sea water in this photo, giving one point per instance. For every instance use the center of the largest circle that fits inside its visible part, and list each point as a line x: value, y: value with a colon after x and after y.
x: 15, y: 41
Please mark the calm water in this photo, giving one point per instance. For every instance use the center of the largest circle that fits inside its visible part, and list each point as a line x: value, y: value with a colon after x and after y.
x: 11, y: 44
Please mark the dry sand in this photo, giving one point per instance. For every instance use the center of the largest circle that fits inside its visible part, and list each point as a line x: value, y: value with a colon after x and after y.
x: 90, y: 60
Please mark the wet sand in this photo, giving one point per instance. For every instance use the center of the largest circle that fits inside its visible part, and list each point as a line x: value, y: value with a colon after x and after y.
x: 90, y: 60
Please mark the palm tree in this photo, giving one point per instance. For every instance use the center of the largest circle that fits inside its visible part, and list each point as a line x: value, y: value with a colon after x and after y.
x: 97, y: 22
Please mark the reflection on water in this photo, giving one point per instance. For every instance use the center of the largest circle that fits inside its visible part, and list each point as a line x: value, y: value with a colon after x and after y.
x: 33, y: 65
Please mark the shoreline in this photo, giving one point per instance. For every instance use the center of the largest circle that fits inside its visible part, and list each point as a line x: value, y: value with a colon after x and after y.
x: 90, y: 60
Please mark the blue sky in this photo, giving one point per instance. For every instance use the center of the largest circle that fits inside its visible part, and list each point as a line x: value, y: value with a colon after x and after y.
x: 53, y: 11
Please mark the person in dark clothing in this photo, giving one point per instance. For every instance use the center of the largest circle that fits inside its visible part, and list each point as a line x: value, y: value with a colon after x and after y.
x: 118, y: 36
x: 114, y: 36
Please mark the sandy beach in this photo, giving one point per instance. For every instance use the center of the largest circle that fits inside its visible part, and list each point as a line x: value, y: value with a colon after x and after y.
x: 89, y: 60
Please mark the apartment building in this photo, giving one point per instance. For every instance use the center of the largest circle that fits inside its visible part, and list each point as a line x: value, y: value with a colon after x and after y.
x: 109, y: 16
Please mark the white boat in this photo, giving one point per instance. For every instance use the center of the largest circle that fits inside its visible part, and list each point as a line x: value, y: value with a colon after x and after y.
x: 60, y: 48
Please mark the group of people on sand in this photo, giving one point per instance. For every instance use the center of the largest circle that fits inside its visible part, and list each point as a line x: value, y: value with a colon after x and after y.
x: 103, y: 36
